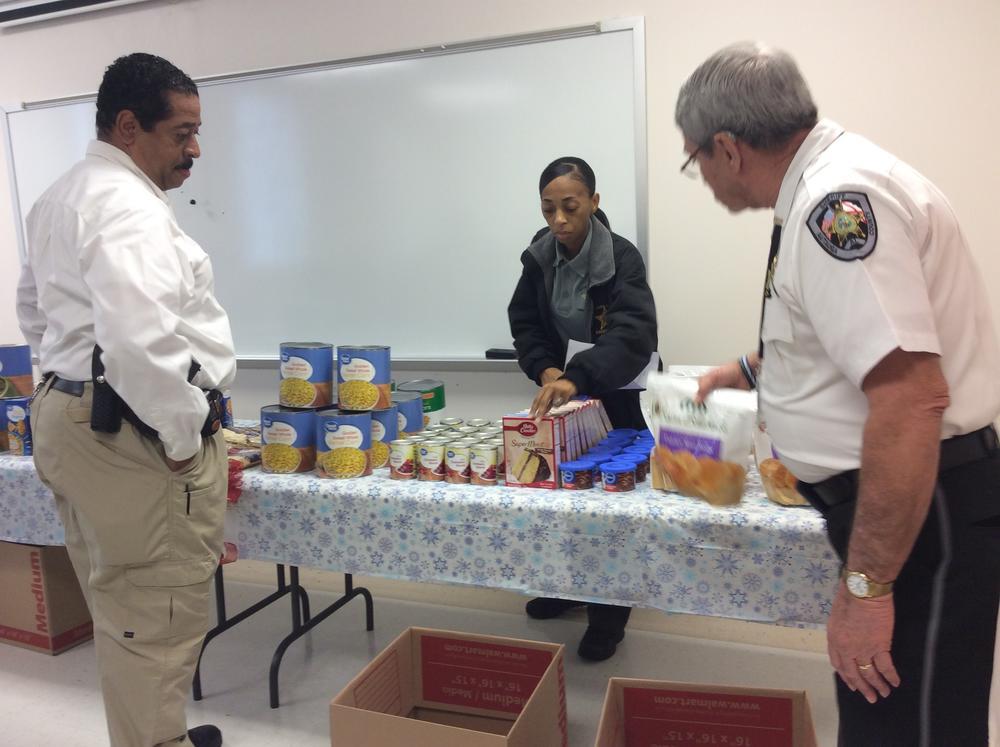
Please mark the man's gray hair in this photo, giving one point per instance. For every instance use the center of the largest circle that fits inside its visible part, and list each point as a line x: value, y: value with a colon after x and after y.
x: 749, y: 90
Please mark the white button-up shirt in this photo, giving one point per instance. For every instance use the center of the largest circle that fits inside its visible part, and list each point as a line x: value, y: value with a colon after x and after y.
x: 829, y: 321
x: 108, y: 264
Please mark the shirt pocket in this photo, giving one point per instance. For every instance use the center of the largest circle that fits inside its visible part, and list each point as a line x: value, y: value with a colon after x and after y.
x: 777, y: 326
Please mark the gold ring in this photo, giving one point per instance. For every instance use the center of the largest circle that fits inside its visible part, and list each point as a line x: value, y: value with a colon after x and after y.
x: 864, y: 666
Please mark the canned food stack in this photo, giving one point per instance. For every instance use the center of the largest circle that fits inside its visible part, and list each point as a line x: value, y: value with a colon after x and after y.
x: 288, y: 429
x: 452, y: 450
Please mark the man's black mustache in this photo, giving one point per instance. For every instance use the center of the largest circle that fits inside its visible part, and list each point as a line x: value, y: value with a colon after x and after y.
x: 187, y: 164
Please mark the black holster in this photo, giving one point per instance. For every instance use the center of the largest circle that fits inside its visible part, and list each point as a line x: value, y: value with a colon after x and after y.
x: 109, y: 409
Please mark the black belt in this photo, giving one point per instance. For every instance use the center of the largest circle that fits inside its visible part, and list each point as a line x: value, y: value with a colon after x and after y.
x: 74, y: 388
x: 955, y: 452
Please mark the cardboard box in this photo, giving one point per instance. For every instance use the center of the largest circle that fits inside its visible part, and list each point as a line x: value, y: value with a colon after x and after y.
x: 652, y: 713
x: 42, y: 607
x: 434, y: 688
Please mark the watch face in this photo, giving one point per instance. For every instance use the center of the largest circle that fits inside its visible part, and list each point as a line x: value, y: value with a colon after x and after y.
x: 857, y: 585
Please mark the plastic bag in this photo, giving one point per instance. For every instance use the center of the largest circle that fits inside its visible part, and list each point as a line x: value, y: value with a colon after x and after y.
x: 703, y: 449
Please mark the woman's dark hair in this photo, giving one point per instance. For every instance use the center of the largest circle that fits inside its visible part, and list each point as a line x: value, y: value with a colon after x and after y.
x: 577, y: 169
x: 139, y: 82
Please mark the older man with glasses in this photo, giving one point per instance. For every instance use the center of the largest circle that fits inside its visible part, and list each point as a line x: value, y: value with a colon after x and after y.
x: 877, y: 377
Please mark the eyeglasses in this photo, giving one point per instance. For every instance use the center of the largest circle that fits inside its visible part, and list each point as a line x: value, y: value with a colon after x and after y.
x: 690, y: 166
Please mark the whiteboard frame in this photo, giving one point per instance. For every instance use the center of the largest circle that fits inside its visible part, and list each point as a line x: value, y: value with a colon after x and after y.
x: 635, y: 24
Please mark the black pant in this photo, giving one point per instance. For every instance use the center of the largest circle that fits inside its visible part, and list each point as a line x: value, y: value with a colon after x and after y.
x: 607, y: 616
x: 946, y: 600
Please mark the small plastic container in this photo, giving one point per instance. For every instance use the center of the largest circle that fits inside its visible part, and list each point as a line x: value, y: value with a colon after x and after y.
x: 618, y: 477
x: 577, y: 475
x: 639, y: 459
x: 598, y: 460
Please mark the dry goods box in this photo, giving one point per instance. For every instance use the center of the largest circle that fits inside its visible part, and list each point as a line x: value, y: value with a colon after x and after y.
x: 435, y: 688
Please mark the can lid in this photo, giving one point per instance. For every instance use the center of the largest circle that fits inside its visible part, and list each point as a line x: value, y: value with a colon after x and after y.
x: 619, y: 432
x: 308, y: 345
x: 638, y: 449
x: 398, y: 396
x: 579, y: 464
x: 617, y: 468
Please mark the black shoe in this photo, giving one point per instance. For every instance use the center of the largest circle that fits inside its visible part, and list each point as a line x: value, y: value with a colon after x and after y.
x: 205, y: 736
x: 599, y: 644
x: 545, y: 608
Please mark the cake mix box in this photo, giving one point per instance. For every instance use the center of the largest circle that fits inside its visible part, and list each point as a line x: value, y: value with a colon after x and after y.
x: 532, y: 451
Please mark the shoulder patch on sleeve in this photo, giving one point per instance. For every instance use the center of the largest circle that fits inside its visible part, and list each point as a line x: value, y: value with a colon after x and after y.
x: 844, y: 225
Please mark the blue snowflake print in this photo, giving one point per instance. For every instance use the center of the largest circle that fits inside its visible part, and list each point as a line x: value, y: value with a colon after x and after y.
x: 653, y: 588
x: 701, y: 606
x: 769, y: 600
x: 440, y: 565
x: 738, y: 598
x: 507, y: 572
x: 645, y: 555
x: 342, y: 517
x: 463, y: 567
x: 385, y: 544
x: 702, y: 587
x: 414, y: 572
x: 817, y: 573
x: 450, y: 550
x: 726, y: 564
x: 605, y: 581
x: 665, y: 573
x: 681, y: 590
x: 579, y: 579
x: 752, y: 581
x: 738, y: 519
x: 517, y: 557
x: 530, y: 574
x: 590, y: 563
x: 324, y: 539
x: 498, y: 542
x: 548, y: 587
x: 539, y: 532
x: 307, y: 525
x: 431, y: 536
x: 781, y: 556
x: 569, y: 548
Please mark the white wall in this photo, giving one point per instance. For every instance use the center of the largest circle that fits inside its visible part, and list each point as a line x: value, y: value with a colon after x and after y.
x: 914, y: 78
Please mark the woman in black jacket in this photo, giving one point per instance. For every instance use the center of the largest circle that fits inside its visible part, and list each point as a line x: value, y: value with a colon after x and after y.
x: 582, y: 282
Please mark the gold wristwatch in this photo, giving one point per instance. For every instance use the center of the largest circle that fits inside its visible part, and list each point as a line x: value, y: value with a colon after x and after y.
x: 863, y: 587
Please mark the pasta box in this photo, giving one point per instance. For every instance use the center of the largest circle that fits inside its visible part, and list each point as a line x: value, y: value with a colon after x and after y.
x: 436, y: 688
x: 651, y: 713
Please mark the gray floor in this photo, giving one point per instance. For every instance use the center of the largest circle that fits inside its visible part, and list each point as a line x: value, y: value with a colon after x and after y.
x: 54, y: 700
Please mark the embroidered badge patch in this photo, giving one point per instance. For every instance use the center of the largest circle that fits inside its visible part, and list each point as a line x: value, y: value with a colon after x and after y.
x: 844, y: 225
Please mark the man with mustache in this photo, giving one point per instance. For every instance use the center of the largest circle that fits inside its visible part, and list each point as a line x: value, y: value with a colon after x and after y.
x: 118, y: 304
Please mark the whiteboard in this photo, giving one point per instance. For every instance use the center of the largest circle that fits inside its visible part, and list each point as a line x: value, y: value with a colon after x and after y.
x: 388, y: 202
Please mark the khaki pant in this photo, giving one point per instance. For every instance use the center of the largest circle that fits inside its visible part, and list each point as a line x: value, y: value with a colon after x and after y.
x: 144, y: 542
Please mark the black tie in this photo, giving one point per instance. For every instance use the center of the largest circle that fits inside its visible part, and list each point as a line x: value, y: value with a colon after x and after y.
x: 772, y: 261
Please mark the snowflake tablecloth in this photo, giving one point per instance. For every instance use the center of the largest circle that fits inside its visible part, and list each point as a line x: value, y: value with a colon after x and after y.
x: 755, y: 561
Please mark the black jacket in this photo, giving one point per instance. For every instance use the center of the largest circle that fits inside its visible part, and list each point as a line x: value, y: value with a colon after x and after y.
x: 623, y: 327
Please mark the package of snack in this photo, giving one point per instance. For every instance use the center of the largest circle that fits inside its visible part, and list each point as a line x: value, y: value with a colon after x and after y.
x: 702, y: 448
x: 779, y: 483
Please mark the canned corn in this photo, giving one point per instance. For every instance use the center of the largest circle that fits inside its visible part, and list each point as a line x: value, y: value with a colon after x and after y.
x: 343, y: 443
x: 288, y: 439
x: 306, y: 374
x: 384, y: 425
x: 363, y: 376
x: 410, y: 412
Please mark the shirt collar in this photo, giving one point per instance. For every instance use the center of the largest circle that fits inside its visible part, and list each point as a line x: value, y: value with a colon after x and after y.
x: 581, y: 262
x: 819, y: 139
x: 109, y: 152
